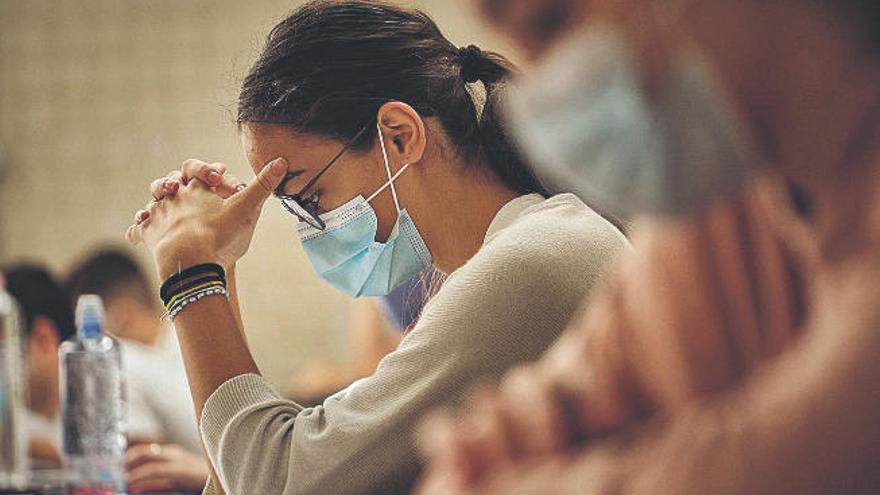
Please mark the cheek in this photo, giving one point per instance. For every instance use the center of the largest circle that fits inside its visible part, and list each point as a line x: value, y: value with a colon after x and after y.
x: 387, y: 219
x: 350, y: 181
x: 386, y: 213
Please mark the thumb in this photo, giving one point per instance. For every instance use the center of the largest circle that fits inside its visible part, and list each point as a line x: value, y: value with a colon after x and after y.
x: 261, y: 187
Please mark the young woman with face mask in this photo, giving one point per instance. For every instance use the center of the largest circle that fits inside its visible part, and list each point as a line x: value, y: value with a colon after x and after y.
x: 380, y: 137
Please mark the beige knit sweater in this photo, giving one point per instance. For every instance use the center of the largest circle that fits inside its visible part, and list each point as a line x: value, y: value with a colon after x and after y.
x: 540, y: 257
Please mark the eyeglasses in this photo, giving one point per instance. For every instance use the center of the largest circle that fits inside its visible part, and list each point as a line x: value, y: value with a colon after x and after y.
x: 306, y: 209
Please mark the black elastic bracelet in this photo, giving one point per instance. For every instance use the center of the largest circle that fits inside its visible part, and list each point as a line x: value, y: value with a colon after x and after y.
x: 192, y: 271
x: 191, y: 282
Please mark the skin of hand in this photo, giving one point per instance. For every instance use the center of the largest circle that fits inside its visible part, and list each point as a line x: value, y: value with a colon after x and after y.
x: 213, y: 175
x: 197, y: 224
x: 155, y: 468
x: 43, y: 450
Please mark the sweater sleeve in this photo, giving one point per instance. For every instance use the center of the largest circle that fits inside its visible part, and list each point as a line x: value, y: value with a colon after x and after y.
x: 503, y: 308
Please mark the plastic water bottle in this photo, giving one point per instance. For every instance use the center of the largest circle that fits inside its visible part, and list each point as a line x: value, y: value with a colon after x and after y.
x: 93, y: 405
x: 13, y: 434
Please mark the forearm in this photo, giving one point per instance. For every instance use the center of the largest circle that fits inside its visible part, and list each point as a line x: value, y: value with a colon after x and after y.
x: 213, y: 347
x: 232, y: 289
x: 213, y: 344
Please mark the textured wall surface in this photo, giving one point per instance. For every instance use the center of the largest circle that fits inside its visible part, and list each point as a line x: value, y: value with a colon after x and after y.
x: 99, y: 97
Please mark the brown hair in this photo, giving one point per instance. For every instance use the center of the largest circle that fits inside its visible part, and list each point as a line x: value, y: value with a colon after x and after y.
x: 328, y: 67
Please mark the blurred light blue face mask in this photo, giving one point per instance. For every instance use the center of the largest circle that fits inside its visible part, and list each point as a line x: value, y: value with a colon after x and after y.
x: 588, y: 126
x: 347, y: 255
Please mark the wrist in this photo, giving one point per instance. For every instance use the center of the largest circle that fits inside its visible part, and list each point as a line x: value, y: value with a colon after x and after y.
x: 171, y: 259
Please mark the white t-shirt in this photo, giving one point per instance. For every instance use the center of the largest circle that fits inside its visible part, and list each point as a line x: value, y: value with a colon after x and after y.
x: 160, y: 406
x: 44, y: 428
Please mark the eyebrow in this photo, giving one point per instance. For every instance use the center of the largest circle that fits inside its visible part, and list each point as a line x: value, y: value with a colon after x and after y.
x: 279, y: 191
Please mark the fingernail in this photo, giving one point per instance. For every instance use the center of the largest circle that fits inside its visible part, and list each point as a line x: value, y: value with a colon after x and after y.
x: 240, y: 187
x: 213, y: 176
x: 279, y: 166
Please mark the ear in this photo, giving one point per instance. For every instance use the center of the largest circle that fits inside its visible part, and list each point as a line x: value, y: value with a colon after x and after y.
x: 404, y: 132
x: 43, y: 341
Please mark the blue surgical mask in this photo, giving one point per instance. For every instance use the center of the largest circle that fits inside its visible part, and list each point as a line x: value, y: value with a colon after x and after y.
x: 347, y: 255
x: 587, y: 124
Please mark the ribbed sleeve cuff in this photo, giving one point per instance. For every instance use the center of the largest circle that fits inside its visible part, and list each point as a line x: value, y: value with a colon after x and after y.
x: 209, y: 487
x: 235, y: 395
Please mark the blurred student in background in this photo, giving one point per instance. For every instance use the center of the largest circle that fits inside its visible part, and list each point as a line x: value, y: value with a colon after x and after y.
x: 746, y: 363
x: 48, y: 319
x: 132, y: 311
x: 166, y: 451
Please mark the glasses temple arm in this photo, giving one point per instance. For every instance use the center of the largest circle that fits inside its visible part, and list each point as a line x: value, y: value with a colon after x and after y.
x: 333, y: 160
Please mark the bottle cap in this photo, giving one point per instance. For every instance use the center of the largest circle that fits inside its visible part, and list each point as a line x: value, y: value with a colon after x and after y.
x: 89, y: 316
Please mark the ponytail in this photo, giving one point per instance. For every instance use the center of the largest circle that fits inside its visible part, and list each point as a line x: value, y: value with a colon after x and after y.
x: 497, y: 146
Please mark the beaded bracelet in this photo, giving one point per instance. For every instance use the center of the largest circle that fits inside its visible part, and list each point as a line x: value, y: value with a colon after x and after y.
x: 184, y: 279
x: 190, y: 285
x: 197, y: 295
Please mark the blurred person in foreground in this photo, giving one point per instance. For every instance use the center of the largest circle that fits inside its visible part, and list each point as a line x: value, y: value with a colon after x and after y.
x: 48, y: 319
x: 166, y: 451
x: 736, y: 352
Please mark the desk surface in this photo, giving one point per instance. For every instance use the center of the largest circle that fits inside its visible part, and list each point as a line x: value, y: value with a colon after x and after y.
x: 50, y: 482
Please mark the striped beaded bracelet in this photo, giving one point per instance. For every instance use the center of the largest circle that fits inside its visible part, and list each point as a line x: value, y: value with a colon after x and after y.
x: 190, y: 285
x: 194, y: 296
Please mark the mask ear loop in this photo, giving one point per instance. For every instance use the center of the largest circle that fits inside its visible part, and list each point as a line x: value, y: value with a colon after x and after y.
x: 391, y: 178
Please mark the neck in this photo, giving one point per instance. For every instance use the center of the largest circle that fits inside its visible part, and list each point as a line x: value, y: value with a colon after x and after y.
x: 821, y: 118
x: 819, y: 89
x: 801, y: 78
x: 457, y: 216
x: 818, y: 132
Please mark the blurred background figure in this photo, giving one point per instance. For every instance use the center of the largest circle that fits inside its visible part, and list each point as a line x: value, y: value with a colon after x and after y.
x: 166, y: 449
x: 48, y: 321
x: 133, y: 313
x: 160, y: 405
x: 376, y: 327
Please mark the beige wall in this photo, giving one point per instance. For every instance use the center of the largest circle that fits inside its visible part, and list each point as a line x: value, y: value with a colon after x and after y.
x: 98, y: 97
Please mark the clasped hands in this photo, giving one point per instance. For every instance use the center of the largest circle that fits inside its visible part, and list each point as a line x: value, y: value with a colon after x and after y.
x: 201, y: 214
